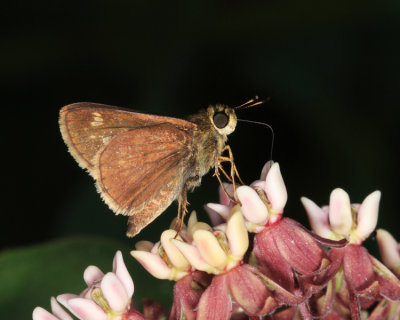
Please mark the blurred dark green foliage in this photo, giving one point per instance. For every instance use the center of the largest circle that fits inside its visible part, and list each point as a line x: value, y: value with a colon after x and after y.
x: 332, y: 70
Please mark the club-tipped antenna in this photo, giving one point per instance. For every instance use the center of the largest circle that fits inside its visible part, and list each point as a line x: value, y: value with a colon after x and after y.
x: 251, y: 103
x: 269, y: 127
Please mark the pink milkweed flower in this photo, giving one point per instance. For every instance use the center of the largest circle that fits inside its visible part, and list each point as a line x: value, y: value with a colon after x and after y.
x: 215, y: 251
x: 162, y: 259
x: 285, y: 252
x: 364, y: 278
x: 341, y: 219
x: 262, y: 202
x: 220, y: 251
x: 108, y: 296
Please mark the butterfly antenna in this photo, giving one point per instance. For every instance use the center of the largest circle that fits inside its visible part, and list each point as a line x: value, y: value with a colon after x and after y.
x: 269, y: 127
x: 252, y: 103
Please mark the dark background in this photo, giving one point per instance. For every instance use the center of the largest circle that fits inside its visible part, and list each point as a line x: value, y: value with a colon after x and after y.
x: 331, y: 69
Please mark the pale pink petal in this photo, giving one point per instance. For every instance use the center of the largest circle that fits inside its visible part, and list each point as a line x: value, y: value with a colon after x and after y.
x: 86, y: 293
x: 264, y: 172
x: 192, y: 219
x: 92, y: 274
x: 214, y: 216
x: 236, y: 233
x: 58, y: 311
x: 186, y: 232
x: 258, y: 183
x: 144, y: 245
x: 253, y: 208
x: 174, y: 255
x: 156, y: 248
x: 41, y: 314
x: 192, y: 254
x: 223, y: 198
x: 209, y: 248
x: 64, y: 298
x: 119, y: 268
x: 199, y: 226
x: 86, y: 309
x: 389, y: 249
x: 275, y: 188
x: 154, y: 264
x: 318, y: 218
x: 220, y: 209
x: 367, y: 217
x: 114, y: 292
x: 221, y: 227
x: 340, y: 212
x: 254, y: 228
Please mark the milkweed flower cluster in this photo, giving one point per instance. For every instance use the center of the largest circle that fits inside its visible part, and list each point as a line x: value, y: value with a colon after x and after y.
x: 253, y: 263
x: 108, y: 296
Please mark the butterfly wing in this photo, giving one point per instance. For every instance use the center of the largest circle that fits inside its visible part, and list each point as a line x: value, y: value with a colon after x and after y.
x: 141, y: 171
x: 139, y: 161
x: 87, y: 127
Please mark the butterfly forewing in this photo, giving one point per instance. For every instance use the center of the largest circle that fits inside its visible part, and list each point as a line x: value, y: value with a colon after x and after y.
x: 87, y: 127
x: 139, y: 161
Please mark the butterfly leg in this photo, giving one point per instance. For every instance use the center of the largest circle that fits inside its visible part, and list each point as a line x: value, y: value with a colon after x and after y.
x: 234, y: 172
x: 183, y: 202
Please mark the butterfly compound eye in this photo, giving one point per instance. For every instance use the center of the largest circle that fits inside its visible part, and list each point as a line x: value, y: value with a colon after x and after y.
x: 220, y: 120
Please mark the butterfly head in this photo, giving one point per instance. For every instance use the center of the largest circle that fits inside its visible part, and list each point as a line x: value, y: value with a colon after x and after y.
x: 222, y: 118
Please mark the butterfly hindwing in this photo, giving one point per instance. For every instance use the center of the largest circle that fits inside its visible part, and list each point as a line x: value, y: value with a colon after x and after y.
x: 141, y: 171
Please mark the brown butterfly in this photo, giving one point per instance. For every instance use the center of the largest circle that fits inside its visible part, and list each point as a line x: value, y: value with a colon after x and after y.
x: 142, y: 162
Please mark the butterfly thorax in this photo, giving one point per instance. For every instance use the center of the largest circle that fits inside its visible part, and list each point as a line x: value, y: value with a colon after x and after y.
x: 214, y: 124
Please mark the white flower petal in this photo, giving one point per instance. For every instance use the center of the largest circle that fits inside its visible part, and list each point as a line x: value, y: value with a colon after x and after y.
x: 114, y: 292
x: 275, y: 188
x: 340, y: 212
x: 221, y: 227
x: 64, y: 298
x: 58, y: 311
x: 223, y: 198
x: 318, y: 218
x: 220, y: 209
x: 41, y: 314
x: 254, y: 228
x: 192, y: 254
x: 258, y: 183
x: 264, y: 172
x: 367, y: 217
x: 253, y: 207
x: 153, y: 264
x: 389, y: 249
x: 209, y: 248
x: 92, y: 274
x: 174, y: 255
x: 192, y: 219
x: 199, y: 226
x: 119, y: 268
x: 236, y: 233
x: 86, y: 309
